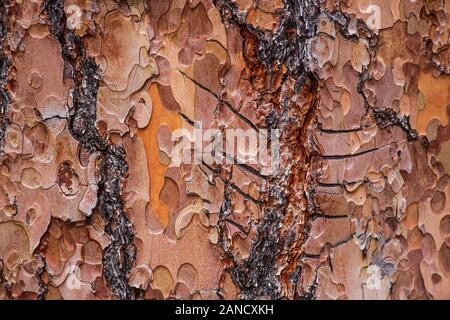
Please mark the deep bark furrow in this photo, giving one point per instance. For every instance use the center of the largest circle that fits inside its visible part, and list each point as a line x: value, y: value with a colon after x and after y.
x: 256, y: 276
x: 119, y: 255
x: 5, y: 63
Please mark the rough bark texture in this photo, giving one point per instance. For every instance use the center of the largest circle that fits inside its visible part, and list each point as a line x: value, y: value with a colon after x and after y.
x: 99, y: 201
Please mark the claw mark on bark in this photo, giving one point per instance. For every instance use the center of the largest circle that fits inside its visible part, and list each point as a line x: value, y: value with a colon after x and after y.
x: 226, y: 103
x: 119, y: 255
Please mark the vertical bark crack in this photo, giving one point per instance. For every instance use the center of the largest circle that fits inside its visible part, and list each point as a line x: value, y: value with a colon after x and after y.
x: 5, y: 64
x: 282, y: 227
x: 119, y: 255
x: 275, y: 262
x: 4, y: 282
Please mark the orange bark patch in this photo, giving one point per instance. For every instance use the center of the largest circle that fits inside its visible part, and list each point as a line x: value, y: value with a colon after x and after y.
x: 437, y: 97
x: 160, y: 116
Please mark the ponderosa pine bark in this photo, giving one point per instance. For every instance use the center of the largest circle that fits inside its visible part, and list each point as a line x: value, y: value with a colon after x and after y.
x: 224, y: 149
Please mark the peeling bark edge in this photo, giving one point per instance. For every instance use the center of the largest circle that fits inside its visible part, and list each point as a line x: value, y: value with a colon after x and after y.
x: 119, y: 255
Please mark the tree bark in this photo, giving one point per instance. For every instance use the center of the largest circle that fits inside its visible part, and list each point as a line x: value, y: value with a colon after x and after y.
x: 224, y: 149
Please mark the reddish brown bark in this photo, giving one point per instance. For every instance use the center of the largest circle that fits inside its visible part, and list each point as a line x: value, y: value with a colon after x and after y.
x: 98, y: 200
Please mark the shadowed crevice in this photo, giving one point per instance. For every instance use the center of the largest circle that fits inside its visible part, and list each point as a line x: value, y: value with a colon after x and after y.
x: 119, y: 255
x: 5, y: 65
x: 280, y: 231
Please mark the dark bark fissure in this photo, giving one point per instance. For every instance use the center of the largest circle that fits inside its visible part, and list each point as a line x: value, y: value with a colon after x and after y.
x: 382, y: 115
x: 4, y: 283
x: 43, y: 287
x: 385, y: 117
x: 119, y: 255
x: 5, y: 64
x: 256, y: 276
